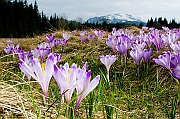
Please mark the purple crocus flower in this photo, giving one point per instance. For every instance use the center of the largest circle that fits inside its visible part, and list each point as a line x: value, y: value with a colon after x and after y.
x: 111, y: 42
x: 57, y: 57
x: 82, y: 33
x: 64, y: 42
x: 15, y: 49
x: 50, y: 44
x: 42, y: 73
x: 40, y: 52
x: 137, y: 55
x: 74, y: 31
x: 9, y: 41
x: 35, y: 52
x: 11, y: 48
x: 85, y: 86
x: 82, y: 39
x: 175, y: 47
x: 43, y: 45
x: 108, y: 60
x: 157, y: 41
x: 65, y: 77
x: 175, y: 60
x: 114, y: 32
x: 50, y: 37
x: 165, y: 28
x: 66, y: 35
x: 7, y: 49
x: 164, y: 60
x: 99, y: 33
x: 21, y: 53
x: 147, y: 54
x: 57, y: 42
x: 176, y: 72
x: 123, y: 46
x: 90, y: 37
x: 44, y: 52
x: 171, y: 37
x: 27, y: 58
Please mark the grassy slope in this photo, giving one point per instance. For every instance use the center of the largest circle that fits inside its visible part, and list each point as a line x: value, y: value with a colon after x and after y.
x: 128, y: 97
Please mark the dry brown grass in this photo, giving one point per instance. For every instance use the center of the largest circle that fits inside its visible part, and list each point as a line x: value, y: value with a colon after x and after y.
x: 13, y: 102
x: 16, y: 103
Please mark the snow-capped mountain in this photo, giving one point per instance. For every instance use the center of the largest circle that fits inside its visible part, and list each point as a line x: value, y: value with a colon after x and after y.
x: 117, y: 18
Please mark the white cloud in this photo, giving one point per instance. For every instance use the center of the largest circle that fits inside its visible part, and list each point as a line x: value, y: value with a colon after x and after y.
x: 161, y: 6
x: 91, y: 8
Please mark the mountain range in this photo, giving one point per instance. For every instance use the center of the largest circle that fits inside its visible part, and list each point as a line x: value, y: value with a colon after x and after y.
x: 117, y: 18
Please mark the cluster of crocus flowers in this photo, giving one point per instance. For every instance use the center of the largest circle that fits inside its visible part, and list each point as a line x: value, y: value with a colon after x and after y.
x: 124, y: 40
x: 68, y: 78
x: 11, y: 47
x: 41, y: 65
x: 55, y: 42
x: 84, y: 36
x: 118, y: 41
x: 99, y: 33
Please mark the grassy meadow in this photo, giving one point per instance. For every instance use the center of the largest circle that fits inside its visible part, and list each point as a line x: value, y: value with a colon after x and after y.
x: 154, y: 93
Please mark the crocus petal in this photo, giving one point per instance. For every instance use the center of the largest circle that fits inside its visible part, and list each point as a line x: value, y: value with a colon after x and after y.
x: 37, y: 69
x: 48, y: 71
x: 164, y: 60
x: 26, y: 69
x: 91, y: 86
x: 60, y: 79
x: 81, y: 72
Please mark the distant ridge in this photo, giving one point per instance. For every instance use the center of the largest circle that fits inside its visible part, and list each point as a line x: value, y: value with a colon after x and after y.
x: 117, y: 18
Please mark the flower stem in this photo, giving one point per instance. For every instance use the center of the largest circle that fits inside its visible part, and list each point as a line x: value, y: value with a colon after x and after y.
x: 138, y: 68
x: 107, y: 75
x: 122, y: 59
x: 45, y: 99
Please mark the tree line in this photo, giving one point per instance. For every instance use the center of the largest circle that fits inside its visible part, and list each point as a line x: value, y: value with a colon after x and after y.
x: 158, y: 23
x: 20, y: 19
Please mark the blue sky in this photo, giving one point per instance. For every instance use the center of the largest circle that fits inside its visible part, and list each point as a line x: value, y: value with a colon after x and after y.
x: 145, y: 9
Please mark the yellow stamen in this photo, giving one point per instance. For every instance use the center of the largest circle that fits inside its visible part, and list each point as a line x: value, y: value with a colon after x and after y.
x: 67, y: 76
x: 67, y: 79
x: 43, y: 67
x: 157, y: 39
x: 69, y: 71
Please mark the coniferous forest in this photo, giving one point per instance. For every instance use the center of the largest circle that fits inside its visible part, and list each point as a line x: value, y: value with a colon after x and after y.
x: 20, y: 19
